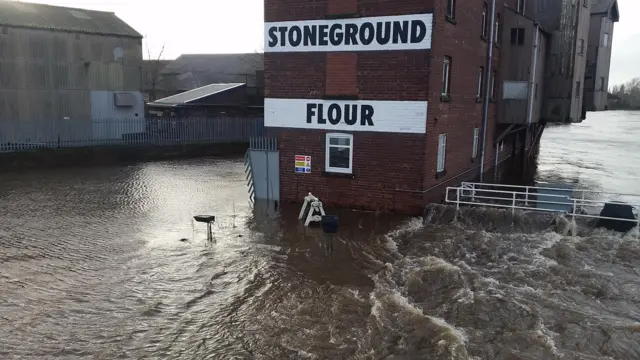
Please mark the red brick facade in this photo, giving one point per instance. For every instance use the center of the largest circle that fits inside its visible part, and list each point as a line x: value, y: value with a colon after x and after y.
x: 391, y: 171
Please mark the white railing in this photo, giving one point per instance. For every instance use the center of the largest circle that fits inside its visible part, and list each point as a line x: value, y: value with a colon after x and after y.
x: 529, y: 198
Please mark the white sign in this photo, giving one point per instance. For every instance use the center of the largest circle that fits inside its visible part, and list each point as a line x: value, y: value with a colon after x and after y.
x: 344, y: 115
x: 404, y: 32
x: 303, y: 164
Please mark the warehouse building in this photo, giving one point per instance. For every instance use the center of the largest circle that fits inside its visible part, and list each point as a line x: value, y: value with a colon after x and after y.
x: 64, y: 71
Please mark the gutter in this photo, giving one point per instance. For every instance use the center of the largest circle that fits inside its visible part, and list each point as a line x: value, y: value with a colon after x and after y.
x: 532, y: 81
x: 487, y: 87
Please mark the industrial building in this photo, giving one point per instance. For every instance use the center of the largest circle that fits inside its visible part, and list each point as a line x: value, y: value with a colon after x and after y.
x: 62, y: 70
x: 604, y: 15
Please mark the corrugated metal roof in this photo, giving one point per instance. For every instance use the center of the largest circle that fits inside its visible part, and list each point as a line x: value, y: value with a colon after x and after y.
x: 195, y: 94
x: 191, y: 71
x: 48, y: 17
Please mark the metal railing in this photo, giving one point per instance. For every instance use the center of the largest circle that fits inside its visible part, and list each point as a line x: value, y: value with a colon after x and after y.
x: 21, y: 136
x: 532, y: 197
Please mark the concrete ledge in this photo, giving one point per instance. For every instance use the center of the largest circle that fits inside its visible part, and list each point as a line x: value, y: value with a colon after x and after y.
x: 109, y: 155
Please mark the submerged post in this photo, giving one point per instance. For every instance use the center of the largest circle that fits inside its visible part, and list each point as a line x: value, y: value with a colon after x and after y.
x: 209, y: 220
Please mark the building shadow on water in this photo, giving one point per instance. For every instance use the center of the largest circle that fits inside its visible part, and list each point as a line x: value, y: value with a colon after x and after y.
x: 359, y: 248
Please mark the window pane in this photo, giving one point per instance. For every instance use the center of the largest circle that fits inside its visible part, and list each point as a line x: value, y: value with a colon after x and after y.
x: 339, y: 157
x: 340, y: 141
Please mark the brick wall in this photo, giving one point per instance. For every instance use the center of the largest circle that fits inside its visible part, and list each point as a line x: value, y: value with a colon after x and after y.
x: 457, y: 118
x: 384, y: 161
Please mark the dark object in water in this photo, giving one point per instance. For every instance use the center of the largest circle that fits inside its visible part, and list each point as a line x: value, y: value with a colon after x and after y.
x: 184, y: 240
x: 617, y: 210
x: 204, y: 218
x: 329, y: 224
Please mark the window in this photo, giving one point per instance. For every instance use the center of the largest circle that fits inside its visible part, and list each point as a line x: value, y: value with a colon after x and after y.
x: 484, y: 20
x: 578, y: 88
x: 605, y: 41
x: 517, y: 36
x: 446, y: 76
x: 480, y: 82
x: 585, y: 3
x: 451, y: 9
x: 603, y: 87
x: 339, y: 153
x: 581, y: 46
x: 494, y: 86
x: 496, y: 35
x: 521, y: 5
x: 442, y: 149
x: 476, y: 142
x: 501, y: 146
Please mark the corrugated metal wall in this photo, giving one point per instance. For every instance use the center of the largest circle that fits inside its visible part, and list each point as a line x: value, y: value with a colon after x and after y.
x: 46, y: 79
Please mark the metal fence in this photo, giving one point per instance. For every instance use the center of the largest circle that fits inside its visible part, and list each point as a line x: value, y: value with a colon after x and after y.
x: 112, y: 132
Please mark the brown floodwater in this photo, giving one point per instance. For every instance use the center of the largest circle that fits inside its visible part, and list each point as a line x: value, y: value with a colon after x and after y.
x: 92, y: 266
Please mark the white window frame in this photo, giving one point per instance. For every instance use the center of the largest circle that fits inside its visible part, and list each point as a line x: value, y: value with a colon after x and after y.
x: 496, y: 35
x: 451, y: 5
x: 480, y: 89
x: 522, y: 5
x: 485, y: 9
x: 327, y: 155
x: 476, y: 143
x: 442, y: 152
x: 446, y: 76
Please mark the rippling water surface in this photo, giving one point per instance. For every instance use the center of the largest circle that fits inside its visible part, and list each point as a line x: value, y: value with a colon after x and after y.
x: 92, y: 266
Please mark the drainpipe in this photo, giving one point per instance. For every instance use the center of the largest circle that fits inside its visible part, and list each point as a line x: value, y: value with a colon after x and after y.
x: 532, y: 85
x: 487, y: 87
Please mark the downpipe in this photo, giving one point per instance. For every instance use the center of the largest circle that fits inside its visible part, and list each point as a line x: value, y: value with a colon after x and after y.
x: 487, y: 87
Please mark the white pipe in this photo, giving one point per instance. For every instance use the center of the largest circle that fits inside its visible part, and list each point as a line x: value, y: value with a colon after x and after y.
x: 487, y: 87
x: 532, y: 82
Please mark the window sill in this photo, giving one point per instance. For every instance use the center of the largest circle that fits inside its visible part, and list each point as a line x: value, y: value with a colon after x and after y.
x: 441, y: 174
x: 484, y: 38
x: 497, y: 44
x: 450, y: 19
x: 474, y: 159
x: 338, y: 175
x: 478, y: 99
x: 445, y: 98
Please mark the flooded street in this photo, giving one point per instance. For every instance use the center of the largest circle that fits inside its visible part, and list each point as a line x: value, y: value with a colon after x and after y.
x: 92, y: 266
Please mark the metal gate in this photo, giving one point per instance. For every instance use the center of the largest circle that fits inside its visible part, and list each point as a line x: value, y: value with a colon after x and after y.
x: 262, y: 168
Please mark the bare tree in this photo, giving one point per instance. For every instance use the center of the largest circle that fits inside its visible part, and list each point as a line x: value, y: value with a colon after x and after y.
x: 154, y: 71
x: 628, y: 94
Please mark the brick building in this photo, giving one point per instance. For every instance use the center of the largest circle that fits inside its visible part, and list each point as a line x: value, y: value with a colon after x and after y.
x: 385, y: 97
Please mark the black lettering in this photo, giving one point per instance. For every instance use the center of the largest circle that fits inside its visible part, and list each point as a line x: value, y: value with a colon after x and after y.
x: 383, y: 32
x: 321, y: 119
x: 350, y: 117
x: 418, y: 31
x: 324, y: 33
x: 283, y: 35
x: 311, y: 112
x: 351, y: 31
x: 295, y: 36
x: 335, y: 114
x: 400, y: 32
x: 366, y: 115
x: 310, y: 35
x: 273, y: 36
x: 335, y: 35
x: 367, y: 33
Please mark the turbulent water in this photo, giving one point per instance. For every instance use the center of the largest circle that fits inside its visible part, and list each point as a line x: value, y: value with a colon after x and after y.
x: 92, y: 266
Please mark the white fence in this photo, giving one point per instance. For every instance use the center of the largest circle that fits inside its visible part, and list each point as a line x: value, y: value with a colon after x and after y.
x: 574, y: 202
x: 138, y: 131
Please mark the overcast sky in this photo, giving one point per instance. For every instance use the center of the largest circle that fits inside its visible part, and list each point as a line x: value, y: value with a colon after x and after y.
x: 231, y: 26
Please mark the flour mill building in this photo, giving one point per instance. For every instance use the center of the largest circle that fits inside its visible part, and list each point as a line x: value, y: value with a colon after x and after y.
x: 378, y: 105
